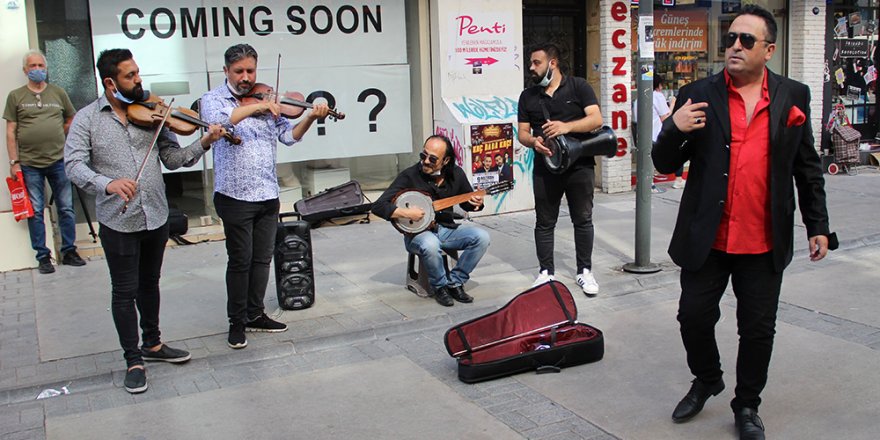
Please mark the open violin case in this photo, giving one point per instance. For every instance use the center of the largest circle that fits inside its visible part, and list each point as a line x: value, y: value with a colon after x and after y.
x: 340, y: 201
x: 536, y: 331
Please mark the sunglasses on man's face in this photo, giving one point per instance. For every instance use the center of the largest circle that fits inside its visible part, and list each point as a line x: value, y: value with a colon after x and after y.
x: 747, y: 40
x: 431, y: 158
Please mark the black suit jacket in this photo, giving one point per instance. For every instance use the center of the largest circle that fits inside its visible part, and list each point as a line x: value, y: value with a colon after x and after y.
x: 792, y: 155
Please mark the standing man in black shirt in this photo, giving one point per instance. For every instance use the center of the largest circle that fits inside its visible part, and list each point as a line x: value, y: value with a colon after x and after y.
x: 573, y: 110
x: 437, y: 175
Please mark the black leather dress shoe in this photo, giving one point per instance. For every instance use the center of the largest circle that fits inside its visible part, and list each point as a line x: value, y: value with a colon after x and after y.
x: 459, y: 294
x: 693, y: 401
x: 443, y: 297
x: 748, y: 424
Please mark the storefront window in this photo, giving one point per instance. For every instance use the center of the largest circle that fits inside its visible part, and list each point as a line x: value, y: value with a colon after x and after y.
x: 64, y: 33
x: 687, y: 38
x: 852, y: 28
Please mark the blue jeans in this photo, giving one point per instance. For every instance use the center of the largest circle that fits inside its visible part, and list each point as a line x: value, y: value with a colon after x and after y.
x: 35, y: 178
x: 470, y: 240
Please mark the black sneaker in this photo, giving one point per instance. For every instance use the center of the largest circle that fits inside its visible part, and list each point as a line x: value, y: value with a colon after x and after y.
x: 265, y: 324
x: 236, y: 336
x: 135, y: 380
x: 166, y: 354
x: 71, y: 258
x: 46, y: 265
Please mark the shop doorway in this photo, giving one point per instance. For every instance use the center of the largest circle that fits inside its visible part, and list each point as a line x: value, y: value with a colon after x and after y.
x: 561, y: 22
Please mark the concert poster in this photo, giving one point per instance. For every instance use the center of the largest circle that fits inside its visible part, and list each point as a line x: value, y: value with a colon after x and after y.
x: 492, y: 153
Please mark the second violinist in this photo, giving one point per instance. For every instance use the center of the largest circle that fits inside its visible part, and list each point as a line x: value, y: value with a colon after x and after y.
x: 103, y: 155
x: 246, y: 187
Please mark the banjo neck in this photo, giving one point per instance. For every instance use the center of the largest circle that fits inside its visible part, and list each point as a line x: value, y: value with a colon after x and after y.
x: 442, y: 204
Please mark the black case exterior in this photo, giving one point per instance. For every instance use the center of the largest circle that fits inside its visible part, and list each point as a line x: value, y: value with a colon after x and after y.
x: 294, y: 269
x: 340, y: 201
x: 535, y: 331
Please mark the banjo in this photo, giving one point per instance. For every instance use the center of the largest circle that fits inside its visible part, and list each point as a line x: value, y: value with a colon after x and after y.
x: 413, y: 198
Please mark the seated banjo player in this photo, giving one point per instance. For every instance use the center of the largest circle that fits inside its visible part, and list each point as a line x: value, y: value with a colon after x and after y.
x: 408, y: 205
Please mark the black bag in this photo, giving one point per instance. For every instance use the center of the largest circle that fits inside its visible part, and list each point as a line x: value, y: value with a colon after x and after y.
x: 536, y: 331
x: 294, y: 270
x: 340, y: 201
x: 178, y: 224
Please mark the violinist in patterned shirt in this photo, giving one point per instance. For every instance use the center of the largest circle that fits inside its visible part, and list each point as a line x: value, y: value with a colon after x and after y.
x: 246, y: 187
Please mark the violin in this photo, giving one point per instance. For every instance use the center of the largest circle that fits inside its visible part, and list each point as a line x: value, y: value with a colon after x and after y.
x: 183, y: 121
x: 292, y: 103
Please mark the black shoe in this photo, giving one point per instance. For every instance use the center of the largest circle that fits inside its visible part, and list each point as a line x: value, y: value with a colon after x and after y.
x: 748, y: 424
x: 265, y: 324
x: 166, y: 354
x: 443, y: 297
x: 135, y: 381
x: 46, y: 265
x: 236, y: 336
x: 72, y: 258
x: 693, y: 401
x: 458, y: 293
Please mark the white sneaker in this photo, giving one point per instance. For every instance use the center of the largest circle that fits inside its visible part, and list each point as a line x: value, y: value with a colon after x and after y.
x: 588, y: 283
x: 543, y: 277
x: 679, y: 183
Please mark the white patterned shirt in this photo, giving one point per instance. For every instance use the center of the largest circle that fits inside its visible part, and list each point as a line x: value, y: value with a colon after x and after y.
x: 245, y: 172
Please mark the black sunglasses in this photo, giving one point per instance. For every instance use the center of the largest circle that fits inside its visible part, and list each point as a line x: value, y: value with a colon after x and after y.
x: 431, y: 158
x: 747, y: 40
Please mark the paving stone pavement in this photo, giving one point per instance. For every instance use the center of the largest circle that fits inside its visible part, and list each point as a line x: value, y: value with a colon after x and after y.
x: 368, y: 330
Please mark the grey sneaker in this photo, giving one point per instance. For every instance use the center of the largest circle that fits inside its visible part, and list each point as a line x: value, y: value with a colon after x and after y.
x: 135, y: 380
x: 166, y: 354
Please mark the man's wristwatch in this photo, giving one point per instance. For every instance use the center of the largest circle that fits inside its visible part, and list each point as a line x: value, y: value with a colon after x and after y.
x: 13, y: 162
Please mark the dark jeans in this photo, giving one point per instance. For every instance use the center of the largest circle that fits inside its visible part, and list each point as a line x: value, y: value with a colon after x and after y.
x: 756, y: 285
x: 250, y: 229
x: 135, y: 263
x: 35, y: 179
x: 577, y: 186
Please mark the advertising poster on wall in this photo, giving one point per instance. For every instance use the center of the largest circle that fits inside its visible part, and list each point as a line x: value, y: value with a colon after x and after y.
x: 480, y: 40
x: 681, y: 31
x: 492, y: 151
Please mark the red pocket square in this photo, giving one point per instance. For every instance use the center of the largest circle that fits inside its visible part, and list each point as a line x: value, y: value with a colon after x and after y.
x: 795, y: 117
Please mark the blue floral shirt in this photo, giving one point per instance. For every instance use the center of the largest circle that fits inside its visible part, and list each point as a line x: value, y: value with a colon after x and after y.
x: 247, y: 171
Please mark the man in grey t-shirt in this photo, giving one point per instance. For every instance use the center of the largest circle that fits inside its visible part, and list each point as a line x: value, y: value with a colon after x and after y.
x: 38, y: 115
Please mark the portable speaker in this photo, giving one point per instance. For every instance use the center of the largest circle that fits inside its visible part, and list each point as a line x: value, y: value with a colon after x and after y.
x: 294, y: 271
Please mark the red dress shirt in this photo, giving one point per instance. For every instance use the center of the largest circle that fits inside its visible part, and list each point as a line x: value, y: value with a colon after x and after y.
x: 745, y: 225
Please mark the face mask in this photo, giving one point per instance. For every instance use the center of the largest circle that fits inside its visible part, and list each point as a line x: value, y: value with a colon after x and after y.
x: 547, y: 77
x: 118, y: 95
x: 37, y: 75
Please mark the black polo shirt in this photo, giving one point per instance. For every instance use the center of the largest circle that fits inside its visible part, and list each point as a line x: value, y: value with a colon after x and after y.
x: 566, y: 104
x: 413, y: 178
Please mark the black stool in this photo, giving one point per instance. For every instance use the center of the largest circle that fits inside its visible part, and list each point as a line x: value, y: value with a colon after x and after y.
x: 417, y: 280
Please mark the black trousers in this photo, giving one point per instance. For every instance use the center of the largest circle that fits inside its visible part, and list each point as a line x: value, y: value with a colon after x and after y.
x: 135, y: 263
x: 577, y: 186
x: 756, y: 286
x: 250, y: 229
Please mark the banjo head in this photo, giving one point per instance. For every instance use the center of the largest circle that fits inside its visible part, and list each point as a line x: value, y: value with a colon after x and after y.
x: 414, y: 199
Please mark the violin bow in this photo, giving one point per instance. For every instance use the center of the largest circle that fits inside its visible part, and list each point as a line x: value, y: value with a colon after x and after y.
x: 278, y: 79
x: 140, y: 172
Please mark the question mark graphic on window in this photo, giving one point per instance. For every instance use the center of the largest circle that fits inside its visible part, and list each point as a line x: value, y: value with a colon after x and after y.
x: 331, y: 102
x: 378, y: 108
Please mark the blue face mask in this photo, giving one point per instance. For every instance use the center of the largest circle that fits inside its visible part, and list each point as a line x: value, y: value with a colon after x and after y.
x: 37, y: 75
x: 119, y: 96
x: 545, y: 81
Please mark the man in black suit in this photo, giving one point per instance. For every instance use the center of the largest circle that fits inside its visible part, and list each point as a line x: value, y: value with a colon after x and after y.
x: 747, y: 133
